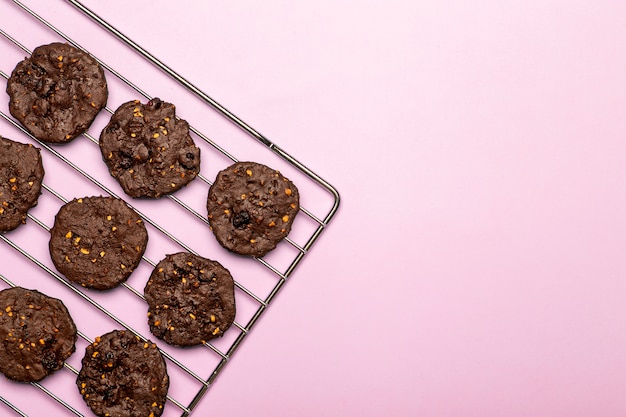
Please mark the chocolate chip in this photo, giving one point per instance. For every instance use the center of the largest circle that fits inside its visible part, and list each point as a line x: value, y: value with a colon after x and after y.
x: 155, y: 102
x: 241, y: 219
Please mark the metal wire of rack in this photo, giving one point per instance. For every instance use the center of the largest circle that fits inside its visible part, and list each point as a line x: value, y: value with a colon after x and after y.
x: 183, y: 363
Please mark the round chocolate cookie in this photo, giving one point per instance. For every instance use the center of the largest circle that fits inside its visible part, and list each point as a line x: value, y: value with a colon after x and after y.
x: 37, y: 334
x: 97, y: 242
x: 148, y: 149
x: 251, y: 208
x: 57, y: 92
x: 191, y: 299
x: 121, y: 375
x: 21, y: 174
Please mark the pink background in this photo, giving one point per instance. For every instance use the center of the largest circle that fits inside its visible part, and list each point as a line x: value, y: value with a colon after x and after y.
x: 476, y: 266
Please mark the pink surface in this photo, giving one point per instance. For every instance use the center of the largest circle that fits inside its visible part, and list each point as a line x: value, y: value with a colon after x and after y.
x: 475, y: 267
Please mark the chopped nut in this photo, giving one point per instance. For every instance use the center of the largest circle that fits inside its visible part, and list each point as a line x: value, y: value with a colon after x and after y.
x: 216, y: 331
x: 249, y: 172
x: 285, y: 218
x: 288, y: 191
x: 84, y: 251
x: 68, y: 235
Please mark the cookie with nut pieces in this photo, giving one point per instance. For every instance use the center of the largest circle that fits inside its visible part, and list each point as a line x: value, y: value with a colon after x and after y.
x: 97, y: 242
x: 37, y: 334
x: 190, y: 299
x: 148, y: 150
x: 57, y: 92
x: 123, y: 375
x: 251, y: 208
x: 21, y: 175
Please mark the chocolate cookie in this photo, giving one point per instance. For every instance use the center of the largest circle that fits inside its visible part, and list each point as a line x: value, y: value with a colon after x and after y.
x: 57, y: 92
x: 21, y: 173
x: 191, y: 299
x: 251, y: 208
x: 37, y: 334
x: 148, y: 150
x: 97, y: 242
x: 122, y: 375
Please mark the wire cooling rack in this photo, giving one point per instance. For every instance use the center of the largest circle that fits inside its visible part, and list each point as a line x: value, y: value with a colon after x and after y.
x: 175, y: 223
